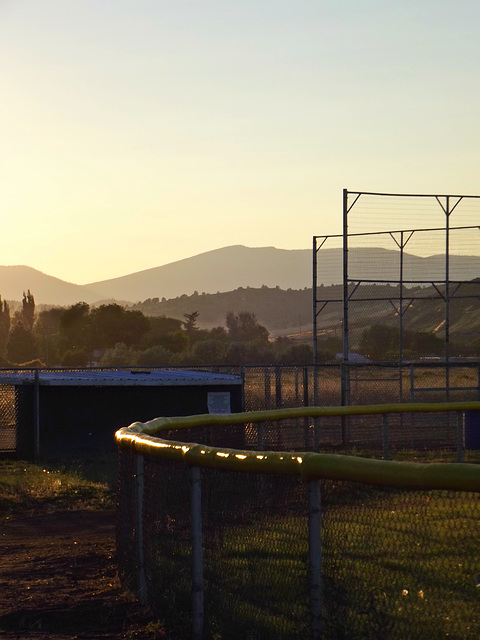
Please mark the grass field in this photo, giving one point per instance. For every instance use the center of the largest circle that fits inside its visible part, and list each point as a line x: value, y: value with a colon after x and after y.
x: 25, y: 486
x: 401, y: 564
x: 397, y: 565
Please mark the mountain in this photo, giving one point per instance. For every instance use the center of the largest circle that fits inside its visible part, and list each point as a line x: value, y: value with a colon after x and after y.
x: 14, y: 280
x: 218, y: 270
x: 237, y: 266
x: 232, y: 267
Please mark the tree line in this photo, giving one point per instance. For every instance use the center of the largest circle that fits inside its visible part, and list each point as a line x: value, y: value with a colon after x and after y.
x: 111, y: 335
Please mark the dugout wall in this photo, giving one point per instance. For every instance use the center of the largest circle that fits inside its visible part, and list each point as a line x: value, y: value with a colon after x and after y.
x: 78, y: 412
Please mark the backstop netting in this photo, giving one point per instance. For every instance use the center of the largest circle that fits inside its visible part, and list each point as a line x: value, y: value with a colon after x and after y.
x: 411, y: 265
x: 427, y: 249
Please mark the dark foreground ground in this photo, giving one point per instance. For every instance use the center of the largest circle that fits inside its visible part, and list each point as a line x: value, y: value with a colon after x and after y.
x: 58, y: 577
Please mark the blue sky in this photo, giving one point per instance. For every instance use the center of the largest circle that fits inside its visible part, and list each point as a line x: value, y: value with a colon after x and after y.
x: 136, y: 133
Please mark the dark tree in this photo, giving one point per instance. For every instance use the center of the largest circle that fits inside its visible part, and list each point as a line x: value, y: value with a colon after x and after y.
x: 75, y: 358
x: 379, y: 341
x: 190, y: 323
x: 4, y: 325
x: 244, y: 327
x: 155, y: 356
x: 237, y: 353
x: 209, y: 351
x: 294, y: 353
x: 165, y: 332
x: 28, y: 309
x: 47, y: 332
x: 111, y: 324
x: 21, y: 345
x: 74, y: 326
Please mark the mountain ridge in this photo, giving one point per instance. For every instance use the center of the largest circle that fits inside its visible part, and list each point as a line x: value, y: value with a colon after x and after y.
x: 229, y: 268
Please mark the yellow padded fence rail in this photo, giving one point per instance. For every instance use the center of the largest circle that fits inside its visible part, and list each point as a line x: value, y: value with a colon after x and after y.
x: 143, y: 438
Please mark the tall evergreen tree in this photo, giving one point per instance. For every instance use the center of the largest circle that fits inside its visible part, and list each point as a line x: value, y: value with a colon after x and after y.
x: 28, y: 309
x: 4, y: 325
x: 190, y: 322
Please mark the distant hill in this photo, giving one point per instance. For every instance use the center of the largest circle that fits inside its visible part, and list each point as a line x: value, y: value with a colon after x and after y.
x: 237, y: 266
x: 219, y: 270
x: 279, y: 310
x: 14, y: 280
x: 290, y: 312
x: 229, y: 268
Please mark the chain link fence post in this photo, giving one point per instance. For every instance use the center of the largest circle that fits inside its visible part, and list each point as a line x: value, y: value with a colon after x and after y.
x: 315, y: 557
x: 197, y: 552
x: 306, y: 421
x: 268, y: 390
x: 139, y: 484
x: 345, y: 377
x: 316, y: 402
x: 385, y: 437
x: 36, y: 416
x: 278, y: 387
x: 460, y: 435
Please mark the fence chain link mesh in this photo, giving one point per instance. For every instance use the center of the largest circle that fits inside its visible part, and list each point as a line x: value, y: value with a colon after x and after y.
x: 275, y: 386
x: 396, y: 563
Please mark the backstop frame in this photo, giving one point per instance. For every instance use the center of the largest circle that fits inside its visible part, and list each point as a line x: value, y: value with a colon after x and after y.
x: 446, y: 288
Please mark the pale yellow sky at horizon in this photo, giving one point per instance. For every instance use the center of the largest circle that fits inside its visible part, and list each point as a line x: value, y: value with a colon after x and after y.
x: 135, y: 134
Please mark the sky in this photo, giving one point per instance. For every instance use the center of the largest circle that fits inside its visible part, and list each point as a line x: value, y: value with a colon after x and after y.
x: 134, y: 133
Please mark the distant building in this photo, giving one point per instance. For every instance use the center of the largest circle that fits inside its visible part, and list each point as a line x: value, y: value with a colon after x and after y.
x: 355, y: 358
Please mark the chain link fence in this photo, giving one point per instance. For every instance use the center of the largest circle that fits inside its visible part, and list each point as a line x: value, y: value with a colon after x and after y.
x: 16, y: 419
x: 8, y: 417
x: 289, y: 556
x: 276, y: 386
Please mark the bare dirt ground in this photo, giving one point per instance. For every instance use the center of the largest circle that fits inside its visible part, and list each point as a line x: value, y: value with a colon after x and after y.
x: 58, y: 580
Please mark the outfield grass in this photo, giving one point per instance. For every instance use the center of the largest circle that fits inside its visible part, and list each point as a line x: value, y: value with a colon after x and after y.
x: 25, y: 486
x: 396, y: 564
x: 401, y: 564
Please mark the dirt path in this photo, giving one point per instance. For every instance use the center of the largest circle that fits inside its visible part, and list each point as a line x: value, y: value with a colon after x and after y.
x: 58, y: 580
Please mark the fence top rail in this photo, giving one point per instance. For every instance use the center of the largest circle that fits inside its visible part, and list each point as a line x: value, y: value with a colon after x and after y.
x: 410, y: 195
x: 141, y: 437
